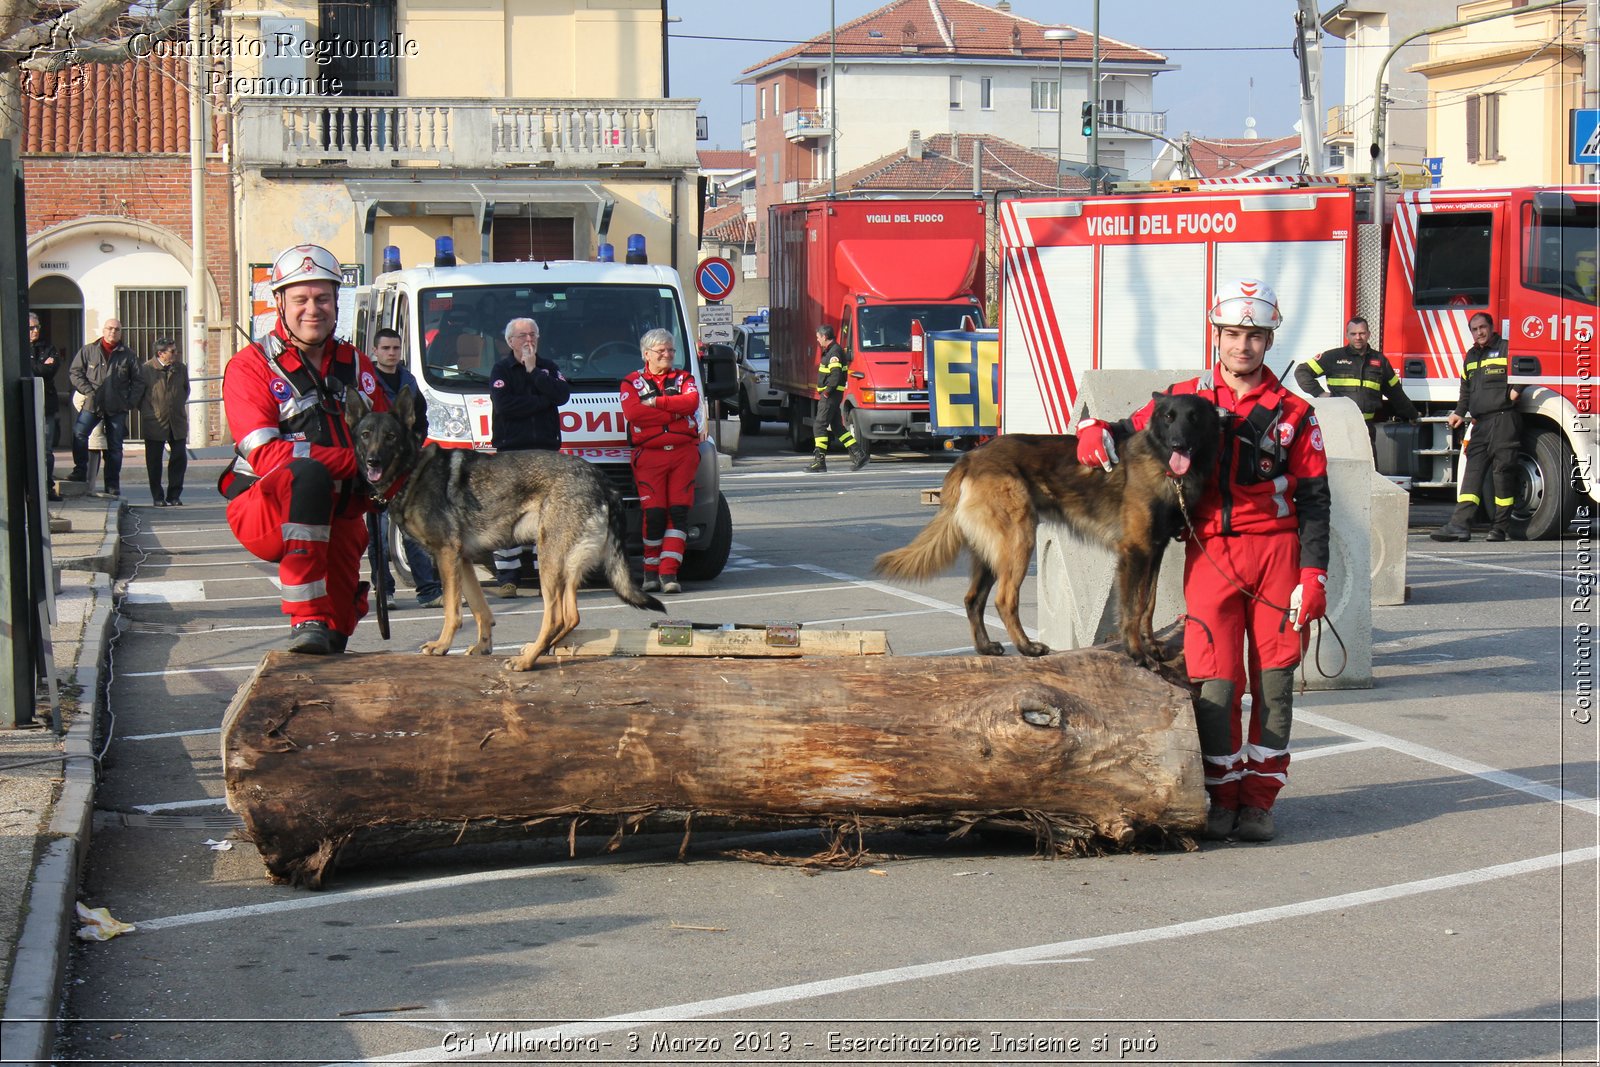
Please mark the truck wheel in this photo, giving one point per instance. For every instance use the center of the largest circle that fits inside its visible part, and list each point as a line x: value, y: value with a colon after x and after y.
x: 858, y: 426
x: 1546, y: 498
x: 707, y: 563
x: 749, y: 420
x: 800, y: 439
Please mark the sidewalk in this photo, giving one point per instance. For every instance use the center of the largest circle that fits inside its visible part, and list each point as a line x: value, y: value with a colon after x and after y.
x: 47, y: 781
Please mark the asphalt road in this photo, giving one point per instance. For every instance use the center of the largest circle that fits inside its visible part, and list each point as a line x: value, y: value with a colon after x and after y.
x: 1431, y: 897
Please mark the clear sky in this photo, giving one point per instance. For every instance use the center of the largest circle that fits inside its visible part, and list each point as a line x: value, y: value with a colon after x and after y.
x: 1220, y: 46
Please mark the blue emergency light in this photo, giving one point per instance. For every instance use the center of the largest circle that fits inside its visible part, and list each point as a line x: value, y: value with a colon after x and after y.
x: 636, y: 249
x: 607, y: 253
x: 444, y: 251
x: 391, y: 258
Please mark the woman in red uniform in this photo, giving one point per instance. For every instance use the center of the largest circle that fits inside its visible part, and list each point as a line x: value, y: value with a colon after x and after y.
x: 662, y: 406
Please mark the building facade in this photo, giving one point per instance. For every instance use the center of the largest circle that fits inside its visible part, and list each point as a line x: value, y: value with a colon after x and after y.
x: 942, y: 67
x: 1499, y: 94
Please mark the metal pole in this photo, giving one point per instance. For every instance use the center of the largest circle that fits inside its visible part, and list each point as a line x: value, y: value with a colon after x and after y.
x: 1060, y: 106
x: 199, y: 357
x: 833, y: 94
x: 1309, y: 28
x: 1591, y: 70
x: 1094, y: 98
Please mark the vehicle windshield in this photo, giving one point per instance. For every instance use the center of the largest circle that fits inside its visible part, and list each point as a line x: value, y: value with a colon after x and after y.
x: 591, y: 331
x: 887, y: 327
x: 756, y: 346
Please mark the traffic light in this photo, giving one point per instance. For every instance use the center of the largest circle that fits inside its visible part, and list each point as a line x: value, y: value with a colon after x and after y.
x: 1086, y: 114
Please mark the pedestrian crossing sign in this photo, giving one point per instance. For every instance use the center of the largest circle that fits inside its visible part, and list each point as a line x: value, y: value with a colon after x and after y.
x: 1586, y: 136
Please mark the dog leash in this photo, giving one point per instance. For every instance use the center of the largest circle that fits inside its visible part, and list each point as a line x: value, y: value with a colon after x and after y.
x: 1307, y: 642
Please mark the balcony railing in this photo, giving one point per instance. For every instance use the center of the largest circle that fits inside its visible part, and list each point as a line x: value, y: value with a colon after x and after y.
x: 747, y: 134
x: 386, y: 132
x: 1136, y: 122
x: 747, y: 200
x: 1341, y: 121
x: 807, y: 122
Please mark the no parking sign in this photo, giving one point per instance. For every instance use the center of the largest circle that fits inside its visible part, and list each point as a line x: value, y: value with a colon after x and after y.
x: 714, y: 278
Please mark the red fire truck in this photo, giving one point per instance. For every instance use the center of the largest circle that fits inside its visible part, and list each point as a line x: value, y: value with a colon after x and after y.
x: 870, y: 269
x: 1124, y: 281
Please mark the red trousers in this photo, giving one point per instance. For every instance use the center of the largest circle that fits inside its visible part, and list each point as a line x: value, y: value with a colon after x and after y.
x: 1236, y: 591
x: 665, y: 480
x: 287, y: 518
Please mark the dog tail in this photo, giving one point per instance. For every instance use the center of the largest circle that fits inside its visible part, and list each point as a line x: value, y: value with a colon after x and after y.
x: 618, y: 574
x: 933, y: 550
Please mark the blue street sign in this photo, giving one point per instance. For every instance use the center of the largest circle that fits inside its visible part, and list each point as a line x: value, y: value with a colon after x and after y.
x: 1435, y: 166
x: 714, y: 278
x: 1586, y: 136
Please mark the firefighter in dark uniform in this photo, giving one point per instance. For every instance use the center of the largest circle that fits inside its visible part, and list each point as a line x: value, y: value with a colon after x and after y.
x: 1360, y: 372
x: 1487, y: 395
x: 832, y: 380
x: 293, y: 489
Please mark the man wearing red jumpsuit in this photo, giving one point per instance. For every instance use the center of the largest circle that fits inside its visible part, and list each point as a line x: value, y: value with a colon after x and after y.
x: 1256, y: 570
x: 294, y: 495
x: 662, y: 406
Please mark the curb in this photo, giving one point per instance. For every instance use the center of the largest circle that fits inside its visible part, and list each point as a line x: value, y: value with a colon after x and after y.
x: 33, y: 998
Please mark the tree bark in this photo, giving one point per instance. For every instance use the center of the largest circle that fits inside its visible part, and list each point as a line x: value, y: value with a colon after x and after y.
x: 361, y: 755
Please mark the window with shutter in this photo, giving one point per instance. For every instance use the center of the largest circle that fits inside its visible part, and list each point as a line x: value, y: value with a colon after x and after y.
x: 1472, y: 128
x: 1491, y: 126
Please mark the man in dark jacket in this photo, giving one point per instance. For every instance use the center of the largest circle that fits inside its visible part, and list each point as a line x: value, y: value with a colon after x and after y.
x: 1487, y: 395
x: 107, y: 374
x: 526, y: 393
x: 45, y: 361
x: 1360, y: 372
x: 164, y: 421
x: 833, y: 367
x: 388, y: 359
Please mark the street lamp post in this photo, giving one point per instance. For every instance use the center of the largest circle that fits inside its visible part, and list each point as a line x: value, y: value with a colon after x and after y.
x: 1060, y: 35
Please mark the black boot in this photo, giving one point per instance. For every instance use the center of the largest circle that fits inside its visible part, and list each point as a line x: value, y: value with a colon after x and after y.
x: 859, y: 454
x: 819, y: 463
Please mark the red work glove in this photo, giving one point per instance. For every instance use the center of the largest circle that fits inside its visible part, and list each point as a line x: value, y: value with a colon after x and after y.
x: 1095, y: 445
x: 1313, y: 596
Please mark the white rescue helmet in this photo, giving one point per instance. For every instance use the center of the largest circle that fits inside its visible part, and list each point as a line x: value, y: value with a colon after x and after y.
x: 304, y: 263
x: 1246, y: 302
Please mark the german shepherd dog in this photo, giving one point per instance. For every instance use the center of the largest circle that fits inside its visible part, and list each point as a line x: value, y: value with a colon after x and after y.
x: 461, y: 506
x: 995, y: 495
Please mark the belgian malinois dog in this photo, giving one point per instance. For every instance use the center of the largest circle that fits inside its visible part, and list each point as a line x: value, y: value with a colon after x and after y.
x: 995, y: 495
x: 461, y: 506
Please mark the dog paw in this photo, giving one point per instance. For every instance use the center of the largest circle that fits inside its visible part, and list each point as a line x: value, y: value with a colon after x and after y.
x: 1034, y: 648
x: 481, y: 648
x: 435, y: 648
x: 991, y: 649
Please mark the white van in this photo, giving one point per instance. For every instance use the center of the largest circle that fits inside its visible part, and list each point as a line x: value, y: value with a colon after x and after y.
x: 452, y: 320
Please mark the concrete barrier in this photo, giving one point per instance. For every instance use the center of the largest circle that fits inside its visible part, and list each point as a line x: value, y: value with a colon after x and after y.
x: 1391, y: 519
x: 1076, y: 581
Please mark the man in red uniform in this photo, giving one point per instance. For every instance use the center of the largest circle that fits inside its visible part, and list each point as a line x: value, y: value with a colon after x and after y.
x: 1256, y: 571
x: 294, y: 495
x: 662, y: 406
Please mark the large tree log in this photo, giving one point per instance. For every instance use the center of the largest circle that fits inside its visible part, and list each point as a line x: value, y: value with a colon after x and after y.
x: 362, y: 754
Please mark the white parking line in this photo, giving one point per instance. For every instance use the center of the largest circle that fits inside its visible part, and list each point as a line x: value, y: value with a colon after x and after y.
x: 181, y: 805
x: 1495, y: 775
x: 1459, y: 562
x: 766, y: 999
x: 173, y: 733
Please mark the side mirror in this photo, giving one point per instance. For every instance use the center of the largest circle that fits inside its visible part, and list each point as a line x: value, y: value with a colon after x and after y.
x: 719, y: 372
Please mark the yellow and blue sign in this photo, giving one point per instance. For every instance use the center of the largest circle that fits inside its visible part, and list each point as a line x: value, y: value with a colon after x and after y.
x: 964, y: 382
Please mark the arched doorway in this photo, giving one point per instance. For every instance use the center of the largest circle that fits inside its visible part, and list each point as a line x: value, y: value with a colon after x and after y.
x: 59, y: 304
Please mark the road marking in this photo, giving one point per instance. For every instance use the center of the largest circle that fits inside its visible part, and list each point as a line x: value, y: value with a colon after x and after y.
x: 180, y: 805
x: 1588, y: 805
x: 1493, y: 567
x: 166, y: 592
x: 174, y: 733
x: 189, y: 670
x: 1300, y: 756
x: 766, y: 999
x: 300, y: 901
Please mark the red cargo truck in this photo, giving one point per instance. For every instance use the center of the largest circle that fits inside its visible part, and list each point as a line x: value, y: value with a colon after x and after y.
x: 869, y: 269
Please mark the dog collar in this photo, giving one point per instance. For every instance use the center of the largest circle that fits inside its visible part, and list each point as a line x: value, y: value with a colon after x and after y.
x: 382, y: 499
